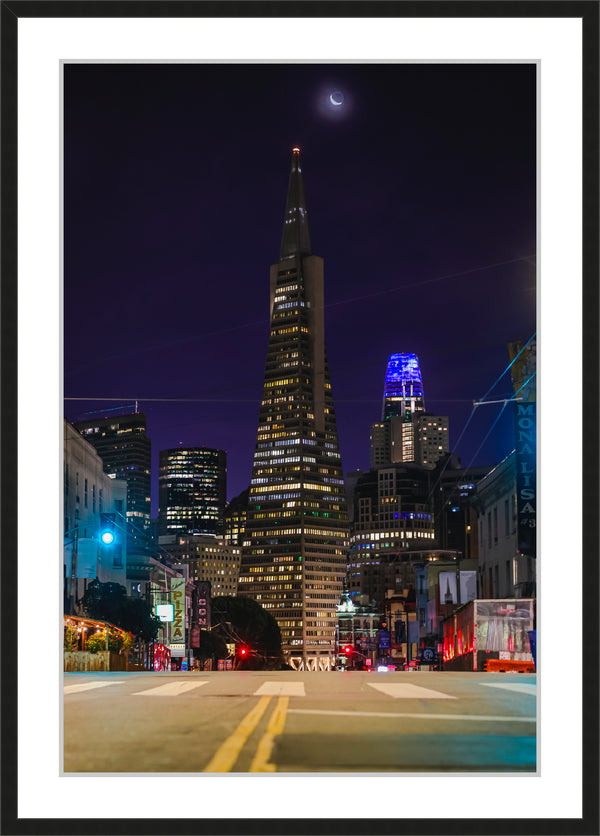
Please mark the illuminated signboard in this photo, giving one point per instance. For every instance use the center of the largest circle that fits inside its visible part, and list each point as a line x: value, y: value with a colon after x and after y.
x: 164, y: 612
x: 178, y: 627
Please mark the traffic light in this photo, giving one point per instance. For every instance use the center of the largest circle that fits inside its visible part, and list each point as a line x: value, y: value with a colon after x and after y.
x: 347, y: 650
x: 242, y: 651
x: 107, y: 529
x: 110, y: 551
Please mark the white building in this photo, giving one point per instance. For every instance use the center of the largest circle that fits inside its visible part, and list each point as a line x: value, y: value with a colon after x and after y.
x: 503, y: 571
x: 89, y: 493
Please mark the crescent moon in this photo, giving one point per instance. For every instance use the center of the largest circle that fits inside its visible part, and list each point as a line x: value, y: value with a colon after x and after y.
x: 336, y: 99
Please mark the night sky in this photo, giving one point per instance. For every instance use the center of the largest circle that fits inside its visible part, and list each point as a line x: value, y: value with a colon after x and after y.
x: 421, y: 199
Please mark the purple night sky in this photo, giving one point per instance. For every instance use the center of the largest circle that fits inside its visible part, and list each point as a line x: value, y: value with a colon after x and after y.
x: 421, y: 193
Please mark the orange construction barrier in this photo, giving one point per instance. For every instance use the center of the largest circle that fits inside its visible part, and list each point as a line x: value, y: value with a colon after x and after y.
x: 508, y: 666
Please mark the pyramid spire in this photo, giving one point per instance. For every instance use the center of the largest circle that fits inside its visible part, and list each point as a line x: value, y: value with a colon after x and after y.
x: 295, y: 239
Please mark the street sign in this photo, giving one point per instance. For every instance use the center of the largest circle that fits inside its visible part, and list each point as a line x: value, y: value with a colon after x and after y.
x: 384, y: 639
x: 164, y: 612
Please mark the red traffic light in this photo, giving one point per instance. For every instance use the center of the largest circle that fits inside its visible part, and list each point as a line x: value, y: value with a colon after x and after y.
x: 243, y: 651
x: 347, y: 650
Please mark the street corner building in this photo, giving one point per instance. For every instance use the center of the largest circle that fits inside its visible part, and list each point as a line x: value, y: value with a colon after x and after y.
x: 294, y: 552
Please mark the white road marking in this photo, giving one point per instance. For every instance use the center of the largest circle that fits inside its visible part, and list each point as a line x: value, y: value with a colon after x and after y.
x: 390, y: 716
x: 170, y: 689
x: 281, y: 689
x: 404, y: 690
x: 87, y: 686
x: 520, y: 687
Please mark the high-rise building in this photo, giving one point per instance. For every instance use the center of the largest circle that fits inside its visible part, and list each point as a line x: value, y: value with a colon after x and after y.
x: 403, y: 391
x: 122, y: 444
x: 294, y: 554
x: 209, y: 559
x: 236, y: 512
x: 406, y: 433
x: 392, y: 522
x: 192, y: 486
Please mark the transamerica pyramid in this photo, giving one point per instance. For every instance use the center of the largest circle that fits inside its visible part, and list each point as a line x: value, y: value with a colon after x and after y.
x: 294, y: 553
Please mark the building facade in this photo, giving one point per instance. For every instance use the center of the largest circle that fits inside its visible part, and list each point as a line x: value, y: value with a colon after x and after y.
x: 454, y: 488
x: 192, y: 489
x: 235, y: 519
x: 406, y: 432
x: 392, y: 519
x: 125, y: 450
x: 89, y: 495
x: 294, y: 554
x: 503, y: 571
x: 358, y: 626
x: 208, y: 558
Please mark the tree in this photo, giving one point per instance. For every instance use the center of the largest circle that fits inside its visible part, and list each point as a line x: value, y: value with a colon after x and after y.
x: 109, y: 602
x: 212, y: 646
x: 245, y: 622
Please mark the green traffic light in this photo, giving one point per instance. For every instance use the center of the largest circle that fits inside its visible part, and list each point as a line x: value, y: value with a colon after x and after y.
x: 107, y: 537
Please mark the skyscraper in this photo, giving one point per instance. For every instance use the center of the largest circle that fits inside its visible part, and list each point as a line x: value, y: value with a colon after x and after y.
x: 294, y: 555
x: 124, y: 448
x: 192, y: 485
x: 406, y: 433
x: 403, y: 391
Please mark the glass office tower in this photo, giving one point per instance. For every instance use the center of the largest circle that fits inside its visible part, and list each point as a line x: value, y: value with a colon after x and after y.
x: 192, y: 484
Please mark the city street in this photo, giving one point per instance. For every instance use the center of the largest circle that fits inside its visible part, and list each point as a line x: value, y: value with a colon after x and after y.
x: 285, y: 721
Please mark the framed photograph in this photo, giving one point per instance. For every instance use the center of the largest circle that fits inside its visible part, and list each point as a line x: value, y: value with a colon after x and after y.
x: 415, y: 187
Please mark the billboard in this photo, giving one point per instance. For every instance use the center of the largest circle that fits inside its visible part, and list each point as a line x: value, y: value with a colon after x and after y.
x: 447, y: 582
x: 468, y: 586
x: 503, y: 625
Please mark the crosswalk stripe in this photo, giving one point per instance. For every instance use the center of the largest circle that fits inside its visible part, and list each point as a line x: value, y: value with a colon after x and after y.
x: 281, y: 689
x: 408, y: 692
x: 389, y: 716
x: 87, y: 686
x: 520, y: 687
x: 170, y: 689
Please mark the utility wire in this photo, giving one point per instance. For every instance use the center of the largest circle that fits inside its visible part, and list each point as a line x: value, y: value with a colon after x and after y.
x: 479, y: 403
x: 138, y: 398
x: 397, y: 289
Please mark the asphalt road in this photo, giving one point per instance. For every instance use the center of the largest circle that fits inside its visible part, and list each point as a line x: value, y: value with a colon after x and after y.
x: 287, y: 721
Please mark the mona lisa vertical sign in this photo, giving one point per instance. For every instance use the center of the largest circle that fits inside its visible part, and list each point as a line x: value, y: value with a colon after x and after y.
x: 526, y: 477
x: 523, y: 370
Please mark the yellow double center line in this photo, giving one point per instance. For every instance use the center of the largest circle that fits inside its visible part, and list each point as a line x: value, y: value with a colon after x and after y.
x: 228, y: 752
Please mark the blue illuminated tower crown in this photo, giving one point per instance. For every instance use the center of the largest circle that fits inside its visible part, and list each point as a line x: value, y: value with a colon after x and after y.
x: 403, y: 390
